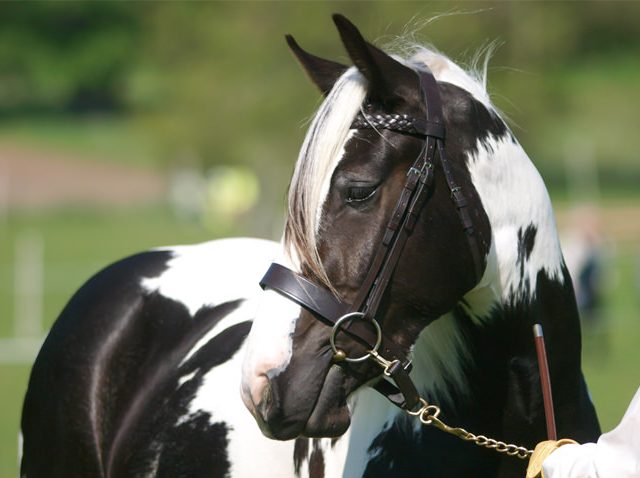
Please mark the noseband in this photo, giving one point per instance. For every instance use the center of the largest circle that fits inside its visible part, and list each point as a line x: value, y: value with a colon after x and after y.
x: 358, y: 320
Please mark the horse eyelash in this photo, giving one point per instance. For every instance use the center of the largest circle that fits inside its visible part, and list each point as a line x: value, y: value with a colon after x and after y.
x: 351, y: 191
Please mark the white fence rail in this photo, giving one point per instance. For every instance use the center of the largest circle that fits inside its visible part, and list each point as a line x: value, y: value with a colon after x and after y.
x: 28, y: 293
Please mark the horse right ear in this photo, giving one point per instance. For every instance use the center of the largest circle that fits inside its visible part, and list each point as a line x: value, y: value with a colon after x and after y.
x: 323, y: 73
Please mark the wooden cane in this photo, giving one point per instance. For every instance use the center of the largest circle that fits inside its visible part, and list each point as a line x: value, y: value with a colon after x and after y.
x: 543, y: 367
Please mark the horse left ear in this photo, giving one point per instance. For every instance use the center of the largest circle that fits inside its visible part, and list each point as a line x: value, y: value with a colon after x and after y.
x: 323, y: 73
x: 390, y: 82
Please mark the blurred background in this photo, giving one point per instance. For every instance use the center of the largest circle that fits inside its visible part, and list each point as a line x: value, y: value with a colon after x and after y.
x: 125, y: 126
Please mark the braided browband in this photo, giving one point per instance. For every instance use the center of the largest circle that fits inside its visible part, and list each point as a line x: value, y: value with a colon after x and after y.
x: 401, y: 123
x: 395, y: 122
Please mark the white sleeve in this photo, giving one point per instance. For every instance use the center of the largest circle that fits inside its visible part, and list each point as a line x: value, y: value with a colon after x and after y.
x: 615, y: 455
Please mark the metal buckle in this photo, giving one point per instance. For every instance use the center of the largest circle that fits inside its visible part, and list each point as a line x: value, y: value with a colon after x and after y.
x: 340, y: 353
x: 383, y: 362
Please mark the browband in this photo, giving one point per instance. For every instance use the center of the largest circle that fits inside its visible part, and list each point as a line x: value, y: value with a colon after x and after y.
x: 400, y: 123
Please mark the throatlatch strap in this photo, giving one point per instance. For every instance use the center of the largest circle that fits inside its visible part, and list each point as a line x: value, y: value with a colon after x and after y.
x: 462, y: 208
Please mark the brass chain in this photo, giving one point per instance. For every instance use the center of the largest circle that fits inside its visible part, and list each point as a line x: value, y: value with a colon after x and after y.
x: 428, y: 415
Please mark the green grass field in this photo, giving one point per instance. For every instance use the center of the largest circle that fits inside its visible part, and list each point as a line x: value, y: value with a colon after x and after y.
x: 78, y: 243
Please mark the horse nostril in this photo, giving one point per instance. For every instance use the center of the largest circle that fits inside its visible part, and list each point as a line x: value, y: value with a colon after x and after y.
x: 267, y: 405
x: 264, y: 406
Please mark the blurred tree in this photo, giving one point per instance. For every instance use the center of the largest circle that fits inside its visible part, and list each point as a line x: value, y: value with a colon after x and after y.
x: 65, y: 56
x: 213, y: 83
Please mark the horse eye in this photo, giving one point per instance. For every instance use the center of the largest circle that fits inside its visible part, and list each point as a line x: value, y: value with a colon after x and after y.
x: 360, y: 193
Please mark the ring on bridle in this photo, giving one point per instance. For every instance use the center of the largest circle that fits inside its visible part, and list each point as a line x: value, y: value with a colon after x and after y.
x: 330, y: 310
x: 339, y: 354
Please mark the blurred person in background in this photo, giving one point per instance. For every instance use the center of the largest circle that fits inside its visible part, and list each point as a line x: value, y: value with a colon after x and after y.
x: 587, y: 254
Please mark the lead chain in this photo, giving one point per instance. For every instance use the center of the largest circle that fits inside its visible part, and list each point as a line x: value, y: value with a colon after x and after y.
x: 428, y: 415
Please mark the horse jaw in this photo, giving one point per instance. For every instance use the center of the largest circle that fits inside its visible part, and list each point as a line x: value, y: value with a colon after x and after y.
x: 331, y: 416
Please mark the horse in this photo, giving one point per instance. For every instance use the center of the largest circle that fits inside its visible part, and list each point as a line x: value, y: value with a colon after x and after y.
x: 421, y: 248
x: 139, y: 375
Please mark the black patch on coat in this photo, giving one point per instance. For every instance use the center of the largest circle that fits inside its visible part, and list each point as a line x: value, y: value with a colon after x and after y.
x: 316, y: 461
x: 195, y: 449
x: 471, y: 121
x: 526, y: 241
x: 402, y: 452
x: 300, y: 453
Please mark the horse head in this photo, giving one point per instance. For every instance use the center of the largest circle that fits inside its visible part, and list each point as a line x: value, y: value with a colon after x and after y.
x: 347, y: 197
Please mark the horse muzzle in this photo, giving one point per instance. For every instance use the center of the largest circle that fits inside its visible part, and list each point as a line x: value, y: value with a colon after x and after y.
x: 311, y: 409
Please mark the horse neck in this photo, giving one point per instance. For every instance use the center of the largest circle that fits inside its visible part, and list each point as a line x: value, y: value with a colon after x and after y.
x: 525, y: 282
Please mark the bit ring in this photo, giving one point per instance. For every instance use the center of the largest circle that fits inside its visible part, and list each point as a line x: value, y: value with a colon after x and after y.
x: 348, y: 317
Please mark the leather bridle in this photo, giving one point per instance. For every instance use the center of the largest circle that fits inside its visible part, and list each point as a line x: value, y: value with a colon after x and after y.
x: 358, y: 320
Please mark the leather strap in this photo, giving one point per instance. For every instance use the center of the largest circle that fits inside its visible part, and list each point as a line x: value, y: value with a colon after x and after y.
x: 325, y: 306
x: 318, y: 300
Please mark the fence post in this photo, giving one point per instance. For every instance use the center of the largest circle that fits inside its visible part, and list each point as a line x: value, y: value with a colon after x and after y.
x: 28, y: 284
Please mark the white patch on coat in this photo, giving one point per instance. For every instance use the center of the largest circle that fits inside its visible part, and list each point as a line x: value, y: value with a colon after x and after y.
x: 248, y: 450
x: 371, y: 415
x: 213, y: 272
x: 514, y: 196
x: 185, y: 378
x: 20, y: 448
x: 332, y: 456
x: 438, y: 359
x: 269, y: 345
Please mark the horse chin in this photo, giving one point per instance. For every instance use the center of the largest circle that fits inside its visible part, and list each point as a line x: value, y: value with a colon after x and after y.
x: 331, y: 416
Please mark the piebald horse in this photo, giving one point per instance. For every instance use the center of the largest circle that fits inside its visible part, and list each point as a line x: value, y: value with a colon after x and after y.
x: 416, y: 220
x: 140, y: 374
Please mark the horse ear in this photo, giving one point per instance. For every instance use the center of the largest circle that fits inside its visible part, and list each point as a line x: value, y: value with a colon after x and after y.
x: 390, y: 82
x: 323, y: 73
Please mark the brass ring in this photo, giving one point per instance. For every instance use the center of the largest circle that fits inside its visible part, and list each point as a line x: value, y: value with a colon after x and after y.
x: 352, y: 316
x: 424, y: 404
